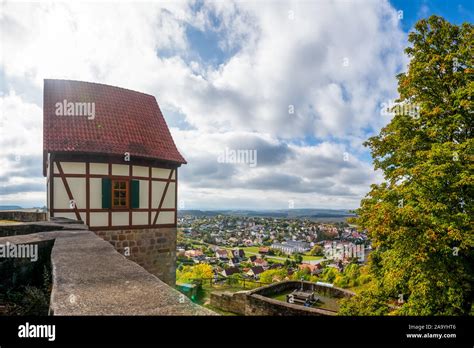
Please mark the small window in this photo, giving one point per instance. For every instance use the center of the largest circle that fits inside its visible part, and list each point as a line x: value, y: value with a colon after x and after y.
x: 120, y: 194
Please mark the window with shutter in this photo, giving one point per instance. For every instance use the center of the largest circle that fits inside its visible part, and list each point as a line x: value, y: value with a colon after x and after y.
x: 120, y: 194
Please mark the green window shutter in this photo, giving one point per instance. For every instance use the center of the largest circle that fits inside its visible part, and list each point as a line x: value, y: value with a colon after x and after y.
x: 135, y: 194
x: 106, y: 193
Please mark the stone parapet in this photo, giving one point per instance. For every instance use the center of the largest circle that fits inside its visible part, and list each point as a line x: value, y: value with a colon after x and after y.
x: 91, y: 278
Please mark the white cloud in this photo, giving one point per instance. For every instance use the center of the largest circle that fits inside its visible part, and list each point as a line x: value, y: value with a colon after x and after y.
x: 334, y: 61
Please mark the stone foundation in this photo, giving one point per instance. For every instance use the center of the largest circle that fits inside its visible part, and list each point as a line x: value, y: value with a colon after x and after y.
x: 152, y: 248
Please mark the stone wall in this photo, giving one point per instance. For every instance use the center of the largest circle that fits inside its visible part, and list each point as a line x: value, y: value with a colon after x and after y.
x: 19, y: 215
x: 257, y: 302
x: 152, y: 248
x: 230, y: 302
x: 26, y: 228
x: 16, y: 271
x: 261, y: 305
x: 91, y: 278
x: 307, y: 286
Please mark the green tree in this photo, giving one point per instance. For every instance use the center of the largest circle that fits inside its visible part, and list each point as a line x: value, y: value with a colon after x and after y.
x: 317, y: 251
x: 342, y: 281
x: 298, y: 258
x: 352, y: 271
x: 190, y: 273
x: 419, y: 217
x: 273, y: 275
x: 329, y: 274
x: 202, y: 271
x: 301, y: 273
x: 368, y: 302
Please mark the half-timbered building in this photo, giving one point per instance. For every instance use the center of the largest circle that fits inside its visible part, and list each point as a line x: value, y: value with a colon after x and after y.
x: 110, y: 161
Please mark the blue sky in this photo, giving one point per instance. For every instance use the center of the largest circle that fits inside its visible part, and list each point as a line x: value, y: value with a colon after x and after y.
x: 301, y: 83
x: 455, y: 11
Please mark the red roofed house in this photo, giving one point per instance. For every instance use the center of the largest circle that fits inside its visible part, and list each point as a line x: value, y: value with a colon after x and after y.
x: 110, y: 161
x: 260, y: 262
x: 312, y: 269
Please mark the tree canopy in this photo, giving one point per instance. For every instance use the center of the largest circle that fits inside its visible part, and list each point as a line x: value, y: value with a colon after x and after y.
x: 419, y: 217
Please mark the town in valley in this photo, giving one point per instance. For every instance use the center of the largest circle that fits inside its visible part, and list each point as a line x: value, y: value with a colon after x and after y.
x: 236, y: 252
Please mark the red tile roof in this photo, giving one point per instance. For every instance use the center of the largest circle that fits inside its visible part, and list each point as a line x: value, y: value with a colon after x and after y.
x: 125, y: 121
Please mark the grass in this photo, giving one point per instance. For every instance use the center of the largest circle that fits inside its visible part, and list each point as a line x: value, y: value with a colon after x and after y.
x: 252, y: 249
x: 307, y: 257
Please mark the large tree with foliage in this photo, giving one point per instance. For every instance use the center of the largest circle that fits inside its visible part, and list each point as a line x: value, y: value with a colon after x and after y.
x: 197, y: 272
x: 419, y: 218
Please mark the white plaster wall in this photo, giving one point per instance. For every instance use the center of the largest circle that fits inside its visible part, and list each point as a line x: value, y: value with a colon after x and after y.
x: 120, y: 169
x: 99, y: 168
x: 165, y: 217
x: 78, y: 190
x: 157, y: 191
x: 61, y: 199
x: 143, y: 194
x: 96, y: 193
x: 160, y: 173
x: 140, y: 218
x: 170, y: 196
x: 140, y: 171
x: 120, y: 219
x: 73, y: 167
x: 99, y: 219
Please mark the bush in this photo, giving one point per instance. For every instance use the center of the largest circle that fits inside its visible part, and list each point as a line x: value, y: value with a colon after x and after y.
x: 341, y: 281
x: 329, y: 274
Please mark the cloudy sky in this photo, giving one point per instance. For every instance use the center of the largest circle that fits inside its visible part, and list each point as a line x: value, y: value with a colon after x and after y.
x: 302, y: 83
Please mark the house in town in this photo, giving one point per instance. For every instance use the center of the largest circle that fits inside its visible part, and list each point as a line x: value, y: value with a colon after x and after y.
x: 313, y: 269
x: 255, y: 271
x: 110, y: 162
x: 194, y: 254
x: 230, y: 271
x: 222, y: 254
x: 260, y: 262
x: 276, y: 265
x: 234, y: 262
x: 238, y: 253
x: 292, y: 247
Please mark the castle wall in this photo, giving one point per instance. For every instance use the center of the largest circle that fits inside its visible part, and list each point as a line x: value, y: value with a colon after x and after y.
x: 152, y: 248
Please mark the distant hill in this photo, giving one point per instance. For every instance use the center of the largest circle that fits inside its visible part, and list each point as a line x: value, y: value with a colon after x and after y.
x: 283, y: 213
x: 10, y: 207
